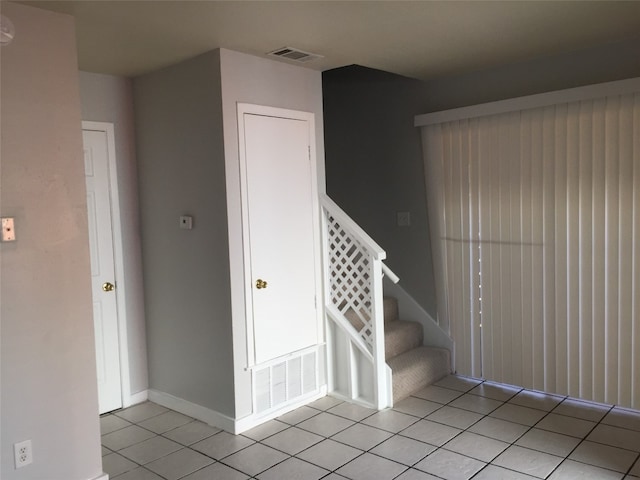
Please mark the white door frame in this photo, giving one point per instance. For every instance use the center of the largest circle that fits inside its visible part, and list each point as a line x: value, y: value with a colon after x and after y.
x: 249, y: 108
x: 118, y: 257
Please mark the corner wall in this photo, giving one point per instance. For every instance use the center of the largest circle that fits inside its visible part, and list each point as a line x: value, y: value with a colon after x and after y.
x: 260, y: 81
x: 181, y: 170
x: 48, y: 372
x: 107, y: 98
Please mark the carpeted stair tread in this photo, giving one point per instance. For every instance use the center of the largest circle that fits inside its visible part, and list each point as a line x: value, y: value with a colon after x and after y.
x: 417, y: 368
x: 400, y: 337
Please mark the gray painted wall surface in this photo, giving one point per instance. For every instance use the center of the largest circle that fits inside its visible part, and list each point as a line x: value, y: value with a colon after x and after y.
x: 186, y: 272
x: 107, y: 98
x: 374, y: 157
x: 48, y: 371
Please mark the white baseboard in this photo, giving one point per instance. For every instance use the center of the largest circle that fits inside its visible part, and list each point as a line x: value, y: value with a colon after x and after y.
x: 251, y: 421
x: 204, y: 414
x: 217, y: 419
x: 135, y: 398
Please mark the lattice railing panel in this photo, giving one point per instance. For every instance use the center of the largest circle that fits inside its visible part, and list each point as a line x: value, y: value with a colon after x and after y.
x: 350, y: 278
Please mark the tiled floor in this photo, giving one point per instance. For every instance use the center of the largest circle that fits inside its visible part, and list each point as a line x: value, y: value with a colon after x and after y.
x: 456, y: 429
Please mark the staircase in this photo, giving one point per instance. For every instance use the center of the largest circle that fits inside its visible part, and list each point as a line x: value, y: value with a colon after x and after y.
x: 413, y: 365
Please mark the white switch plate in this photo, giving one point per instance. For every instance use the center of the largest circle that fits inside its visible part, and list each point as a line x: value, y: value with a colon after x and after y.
x: 403, y: 219
x: 8, y: 229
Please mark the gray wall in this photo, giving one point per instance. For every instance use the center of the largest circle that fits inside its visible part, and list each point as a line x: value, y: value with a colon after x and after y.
x: 373, y: 152
x: 374, y: 167
x: 186, y: 272
x: 107, y: 98
x: 48, y: 372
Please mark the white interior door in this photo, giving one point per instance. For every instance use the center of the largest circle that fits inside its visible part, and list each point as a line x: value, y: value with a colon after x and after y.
x: 105, y: 315
x: 280, y: 210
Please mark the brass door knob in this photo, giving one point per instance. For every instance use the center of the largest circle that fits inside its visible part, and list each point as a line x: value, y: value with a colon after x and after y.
x: 108, y: 287
x: 261, y: 284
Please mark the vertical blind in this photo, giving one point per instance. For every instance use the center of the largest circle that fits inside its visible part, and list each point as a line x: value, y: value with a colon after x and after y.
x: 536, y: 233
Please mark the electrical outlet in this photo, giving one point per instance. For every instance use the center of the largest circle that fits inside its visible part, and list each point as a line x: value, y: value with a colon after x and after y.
x: 23, y: 453
x: 8, y: 230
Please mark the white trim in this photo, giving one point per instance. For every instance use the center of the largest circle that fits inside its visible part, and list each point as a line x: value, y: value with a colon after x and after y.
x: 217, y: 419
x: 251, y: 421
x: 194, y: 410
x: 135, y: 398
x: 118, y: 257
x: 588, y: 92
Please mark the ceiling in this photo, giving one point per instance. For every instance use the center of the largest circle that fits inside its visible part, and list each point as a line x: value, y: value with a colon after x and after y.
x: 420, y: 39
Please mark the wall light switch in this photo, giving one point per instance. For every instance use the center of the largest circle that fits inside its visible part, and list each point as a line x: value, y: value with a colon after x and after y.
x: 8, y: 229
x: 403, y: 219
x: 186, y: 222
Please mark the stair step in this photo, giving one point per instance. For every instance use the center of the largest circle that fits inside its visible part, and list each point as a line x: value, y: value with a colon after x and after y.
x: 390, y: 309
x: 417, y: 368
x: 401, y: 336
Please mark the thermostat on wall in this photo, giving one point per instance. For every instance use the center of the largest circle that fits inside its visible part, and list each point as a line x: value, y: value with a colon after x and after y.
x: 186, y: 222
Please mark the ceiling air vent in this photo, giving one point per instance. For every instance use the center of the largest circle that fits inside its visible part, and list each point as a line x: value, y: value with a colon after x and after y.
x: 294, y: 54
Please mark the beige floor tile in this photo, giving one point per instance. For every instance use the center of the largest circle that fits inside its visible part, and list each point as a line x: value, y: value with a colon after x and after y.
x: 165, y: 421
x: 580, y: 409
x: 299, y: 415
x: 325, y: 403
x: 255, y: 459
x: 437, y: 394
x: 621, y: 417
x: 325, y: 424
x: 293, y: 469
x: 390, y: 420
x: 431, y: 432
x: 217, y: 471
x: 417, y: 407
x: 575, y: 427
x: 329, y: 454
x: 475, y: 403
x: 455, y: 417
x: 530, y: 462
x: 499, y: 429
x: 362, y: 437
x: 352, y: 411
x: 191, y: 433
x: 139, y: 473
x: 616, y: 436
x: 413, y: 474
x: 179, y: 464
x: 457, y: 382
x: 604, y: 456
x: 222, y: 444
x: 125, y: 437
x: 115, y: 464
x: 495, y: 391
x: 476, y: 446
x: 403, y: 450
x: 548, y: 442
x: 111, y: 423
x: 141, y: 412
x: 266, y: 430
x: 517, y: 414
x: 371, y: 467
x: 570, y: 470
x: 150, y: 450
x: 539, y: 400
x: 292, y: 440
x: 493, y: 472
x: 450, y: 465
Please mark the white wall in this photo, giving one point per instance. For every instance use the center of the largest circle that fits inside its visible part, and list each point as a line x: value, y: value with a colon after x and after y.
x: 49, y: 387
x: 107, y: 98
x: 259, y: 81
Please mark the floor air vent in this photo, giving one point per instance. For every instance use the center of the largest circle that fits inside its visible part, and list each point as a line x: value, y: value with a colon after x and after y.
x: 294, y: 54
x: 278, y: 384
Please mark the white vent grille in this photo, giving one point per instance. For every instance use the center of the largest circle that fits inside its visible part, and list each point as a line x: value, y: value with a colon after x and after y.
x: 294, y: 54
x: 280, y: 383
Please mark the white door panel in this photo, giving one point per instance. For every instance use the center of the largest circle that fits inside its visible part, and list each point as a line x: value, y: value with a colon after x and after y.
x: 281, y: 234
x: 105, y: 316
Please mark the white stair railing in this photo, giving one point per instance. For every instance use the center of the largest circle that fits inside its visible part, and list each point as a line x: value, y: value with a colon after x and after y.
x: 354, y: 269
